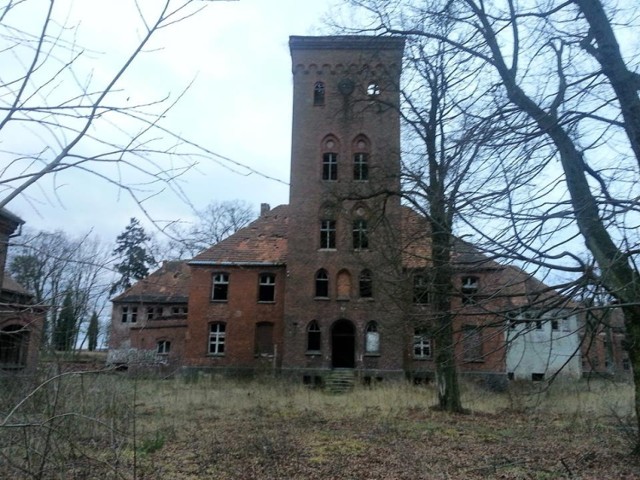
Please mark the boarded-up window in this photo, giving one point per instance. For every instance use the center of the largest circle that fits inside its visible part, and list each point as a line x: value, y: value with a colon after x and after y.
x: 264, y: 338
x: 344, y: 284
x: 313, y: 337
x: 372, y: 338
x: 472, y: 343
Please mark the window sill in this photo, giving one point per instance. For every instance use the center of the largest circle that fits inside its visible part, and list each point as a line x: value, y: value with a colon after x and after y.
x: 343, y: 299
x: 215, y: 355
x: 327, y: 249
x: 266, y: 302
x: 313, y: 353
x: 422, y: 359
x: 263, y: 355
x: 372, y: 354
x: 322, y: 299
x: 219, y: 301
x: 473, y: 361
x: 367, y: 299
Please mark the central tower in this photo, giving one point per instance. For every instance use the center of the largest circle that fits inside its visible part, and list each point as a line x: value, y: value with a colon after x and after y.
x: 343, y: 241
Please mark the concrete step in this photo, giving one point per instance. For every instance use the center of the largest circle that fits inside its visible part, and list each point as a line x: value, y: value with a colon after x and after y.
x: 340, y: 380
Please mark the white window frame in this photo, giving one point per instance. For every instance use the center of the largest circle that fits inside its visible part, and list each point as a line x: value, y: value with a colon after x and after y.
x: 217, y: 338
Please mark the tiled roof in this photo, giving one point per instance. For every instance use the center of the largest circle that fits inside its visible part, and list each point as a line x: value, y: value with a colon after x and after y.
x: 168, y: 284
x: 416, y: 246
x: 262, y: 241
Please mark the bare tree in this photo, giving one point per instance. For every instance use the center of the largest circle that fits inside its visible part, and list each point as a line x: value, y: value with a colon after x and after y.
x: 564, y: 103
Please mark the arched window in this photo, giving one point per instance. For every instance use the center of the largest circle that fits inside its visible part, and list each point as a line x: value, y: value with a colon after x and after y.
x: 372, y: 338
x: 365, y: 284
x: 330, y: 148
x: 313, y: 337
x: 217, y: 338
x: 318, y: 93
x: 361, y: 158
x: 322, y: 283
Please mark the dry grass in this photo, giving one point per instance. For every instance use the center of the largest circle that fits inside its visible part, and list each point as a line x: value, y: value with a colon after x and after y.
x: 223, y: 429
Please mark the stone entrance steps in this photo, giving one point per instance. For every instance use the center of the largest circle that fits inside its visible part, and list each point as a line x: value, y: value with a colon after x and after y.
x: 340, y: 380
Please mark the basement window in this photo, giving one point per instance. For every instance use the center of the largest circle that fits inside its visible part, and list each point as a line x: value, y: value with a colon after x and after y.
x: 537, y: 377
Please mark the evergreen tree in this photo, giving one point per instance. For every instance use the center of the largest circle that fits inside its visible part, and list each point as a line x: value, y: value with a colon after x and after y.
x: 64, y: 331
x: 93, y: 331
x: 135, y: 259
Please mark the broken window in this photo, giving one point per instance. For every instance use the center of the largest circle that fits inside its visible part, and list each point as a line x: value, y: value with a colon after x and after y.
x: 421, y: 289
x: 360, y: 235
x: 216, y: 338
x: 322, y: 283
x: 469, y: 290
x: 361, y: 167
x: 14, y: 343
x: 220, y: 288
x: 318, y: 93
x: 330, y: 166
x: 327, y: 234
x: 472, y: 343
x: 264, y: 339
x: 372, y: 338
x: 373, y: 89
x: 164, y: 347
x: 153, y: 313
x: 313, y: 337
x: 267, y: 287
x: 129, y: 314
x: 421, y: 344
x: 365, y: 283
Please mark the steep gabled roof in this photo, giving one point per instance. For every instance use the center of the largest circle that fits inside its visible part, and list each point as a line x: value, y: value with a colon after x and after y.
x: 10, y: 285
x: 263, y: 241
x: 168, y: 284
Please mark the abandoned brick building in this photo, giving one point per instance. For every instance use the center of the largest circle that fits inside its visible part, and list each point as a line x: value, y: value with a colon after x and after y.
x: 21, y: 322
x: 339, y: 277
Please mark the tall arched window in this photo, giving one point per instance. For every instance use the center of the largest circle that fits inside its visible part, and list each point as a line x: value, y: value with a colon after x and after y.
x: 330, y: 148
x: 360, y: 235
x: 322, y: 283
x: 361, y: 159
x: 313, y: 337
x: 318, y: 93
x: 372, y: 338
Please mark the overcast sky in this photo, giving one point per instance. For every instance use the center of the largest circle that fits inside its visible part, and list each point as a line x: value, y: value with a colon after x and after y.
x: 239, y: 106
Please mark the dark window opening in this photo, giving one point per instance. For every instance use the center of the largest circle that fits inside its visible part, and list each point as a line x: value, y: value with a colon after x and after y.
x: 366, y: 284
x: 330, y: 166
x: 554, y: 325
x: 361, y: 167
x: 153, y: 313
x: 626, y: 364
x: 267, y: 287
x: 264, y: 339
x: 421, y: 289
x: 14, y: 343
x: 179, y: 310
x: 129, y: 314
x: 318, y: 93
x: 360, y: 235
x: 220, y: 290
x: 322, y: 284
x: 537, y: 377
x: 328, y: 234
x: 217, y: 338
x: 313, y: 337
x: 164, y: 347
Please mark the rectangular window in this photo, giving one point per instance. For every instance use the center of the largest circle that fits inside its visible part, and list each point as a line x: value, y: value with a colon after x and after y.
x: 330, y: 166
x: 220, y: 289
x: 313, y: 337
x: 360, y: 167
x: 328, y: 234
x: 554, y: 325
x: 472, y: 343
x: 164, y: 347
x: 179, y: 310
x: 421, y: 345
x: 267, y: 287
x: 129, y: 314
x: 372, y: 339
x: 153, y: 313
x: 566, y: 326
x: 469, y: 290
x: 264, y: 339
x: 365, y: 284
x: 216, y: 338
x: 360, y: 235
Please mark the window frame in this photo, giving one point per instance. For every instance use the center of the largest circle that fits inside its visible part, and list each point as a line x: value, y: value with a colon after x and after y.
x: 365, y: 284
x: 328, y: 234
x: 330, y: 166
x: 217, y: 339
x: 360, y: 234
x: 422, y: 342
x: 470, y: 286
x: 361, y: 167
x: 129, y: 314
x: 267, y: 285
x: 220, y: 285
x: 163, y: 347
x: 258, y: 344
x: 371, y: 338
x: 422, y: 294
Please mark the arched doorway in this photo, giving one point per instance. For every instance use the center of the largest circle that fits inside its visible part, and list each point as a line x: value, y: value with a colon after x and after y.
x: 343, y: 344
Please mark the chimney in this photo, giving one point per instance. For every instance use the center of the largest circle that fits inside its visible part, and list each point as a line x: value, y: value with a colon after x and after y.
x: 264, y: 208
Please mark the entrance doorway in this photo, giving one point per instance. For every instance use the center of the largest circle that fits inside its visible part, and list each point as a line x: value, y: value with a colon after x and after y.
x: 343, y: 345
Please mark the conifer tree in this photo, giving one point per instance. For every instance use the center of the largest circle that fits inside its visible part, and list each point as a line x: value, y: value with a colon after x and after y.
x: 134, y: 257
x: 64, y: 331
x: 93, y: 331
